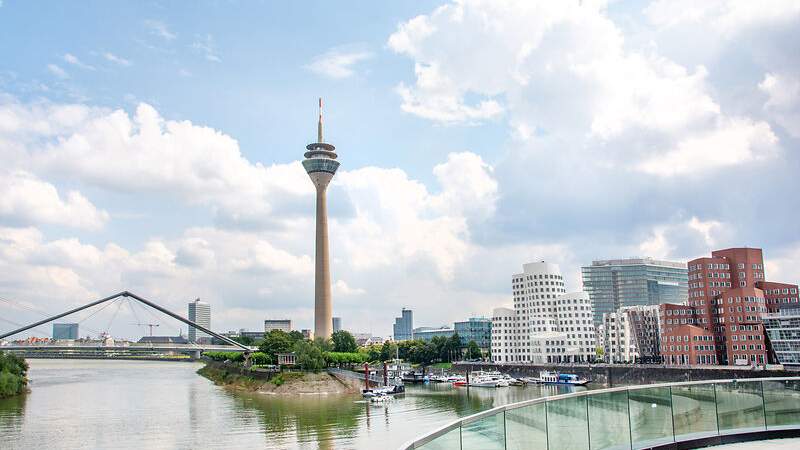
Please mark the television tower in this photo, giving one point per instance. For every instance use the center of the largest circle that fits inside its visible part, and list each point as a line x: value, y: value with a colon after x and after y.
x: 321, y: 165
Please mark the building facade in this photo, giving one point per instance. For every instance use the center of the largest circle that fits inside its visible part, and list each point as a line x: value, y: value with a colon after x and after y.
x: 616, y: 283
x: 631, y: 335
x: 478, y: 329
x: 337, y: 324
x: 403, y: 328
x: 65, y: 331
x: 783, y: 331
x: 199, y: 313
x: 548, y: 325
x: 277, y: 324
x: 727, y: 301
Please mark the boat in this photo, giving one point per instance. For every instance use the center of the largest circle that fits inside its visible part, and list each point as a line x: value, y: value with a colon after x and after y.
x: 388, y: 390
x: 487, y: 379
x: 546, y: 377
x: 380, y: 398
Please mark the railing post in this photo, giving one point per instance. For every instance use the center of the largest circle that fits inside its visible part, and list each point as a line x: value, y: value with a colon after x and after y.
x: 630, y: 423
x: 716, y: 406
x: 763, y: 404
x: 672, y: 414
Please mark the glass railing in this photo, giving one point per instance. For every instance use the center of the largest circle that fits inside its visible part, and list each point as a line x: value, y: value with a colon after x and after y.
x: 629, y: 418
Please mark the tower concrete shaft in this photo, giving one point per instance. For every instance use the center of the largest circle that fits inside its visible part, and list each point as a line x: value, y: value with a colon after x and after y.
x: 321, y: 165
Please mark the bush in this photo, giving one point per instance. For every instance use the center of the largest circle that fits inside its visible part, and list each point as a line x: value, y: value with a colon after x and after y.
x: 13, y: 375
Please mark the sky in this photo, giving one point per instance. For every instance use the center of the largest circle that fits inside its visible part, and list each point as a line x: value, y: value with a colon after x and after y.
x: 155, y: 147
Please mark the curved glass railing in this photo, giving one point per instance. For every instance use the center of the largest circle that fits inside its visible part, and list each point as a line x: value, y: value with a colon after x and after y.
x: 628, y: 418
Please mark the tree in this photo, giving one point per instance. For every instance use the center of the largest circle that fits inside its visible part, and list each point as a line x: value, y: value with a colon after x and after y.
x: 373, y: 352
x: 473, y: 351
x: 388, y: 351
x: 276, y: 341
x: 309, y: 356
x: 295, y: 336
x: 323, y: 344
x: 455, y: 347
x: 244, y: 340
x: 343, y: 342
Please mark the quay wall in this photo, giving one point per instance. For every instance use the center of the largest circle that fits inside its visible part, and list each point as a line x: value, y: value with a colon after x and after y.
x: 611, y: 375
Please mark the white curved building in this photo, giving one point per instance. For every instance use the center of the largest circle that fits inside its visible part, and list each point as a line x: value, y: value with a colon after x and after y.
x: 548, y: 325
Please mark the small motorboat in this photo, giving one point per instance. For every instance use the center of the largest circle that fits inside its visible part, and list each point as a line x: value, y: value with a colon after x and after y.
x: 388, y: 390
x: 546, y: 377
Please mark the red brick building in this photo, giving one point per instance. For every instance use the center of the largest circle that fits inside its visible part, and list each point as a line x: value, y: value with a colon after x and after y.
x: 722, y: 320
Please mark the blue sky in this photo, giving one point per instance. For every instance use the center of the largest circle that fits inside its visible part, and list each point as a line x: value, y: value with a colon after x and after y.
x: 154, y: 147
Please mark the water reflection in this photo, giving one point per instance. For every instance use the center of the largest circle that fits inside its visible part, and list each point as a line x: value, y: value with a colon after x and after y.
x: 141, y: 405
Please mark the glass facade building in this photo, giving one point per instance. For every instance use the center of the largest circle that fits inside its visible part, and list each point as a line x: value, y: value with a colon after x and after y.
x: 199, y: 313
x: 783, y: 331
x: 612, y: 284
x: 403, y: 328
x: 65, y: 331
x: 478, y: 329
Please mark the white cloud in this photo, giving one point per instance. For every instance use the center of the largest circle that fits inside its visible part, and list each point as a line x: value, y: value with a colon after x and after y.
x: 340, y: 287
x: 28, y: 200
x: 733, y: 142
x: 116, y: 59
x: 783, y: 100
x: 57, y: 71
x: 338, y: 62
x: 160, y: 29
x: 726, y: 17
x: 72, y: 59
x: 684, y: 239
x: 205, y: 46
x: 532, y: 62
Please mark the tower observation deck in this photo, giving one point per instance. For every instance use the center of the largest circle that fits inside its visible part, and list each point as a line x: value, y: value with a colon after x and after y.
x: 321, y: 165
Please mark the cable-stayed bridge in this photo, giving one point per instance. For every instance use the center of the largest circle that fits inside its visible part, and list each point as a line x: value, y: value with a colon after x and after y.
x: 77, y: 349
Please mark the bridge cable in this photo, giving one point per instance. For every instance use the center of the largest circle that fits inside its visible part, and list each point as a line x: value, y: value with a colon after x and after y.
x: 42, y: 331
x: 38, y: 311
x: 114, y: 316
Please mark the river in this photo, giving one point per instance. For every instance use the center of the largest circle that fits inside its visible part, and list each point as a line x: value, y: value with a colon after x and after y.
x: 88, y: 404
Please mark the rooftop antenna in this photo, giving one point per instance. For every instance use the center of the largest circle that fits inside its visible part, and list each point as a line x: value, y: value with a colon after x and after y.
x: 319, y: 124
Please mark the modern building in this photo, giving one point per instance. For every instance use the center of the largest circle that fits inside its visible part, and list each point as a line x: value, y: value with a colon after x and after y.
x: 783, y: 332
x: 728, y: 301
x: 428, y: 333
x: 255, y: 335
x: 199, y: 313
x: 321, y: 165
x: 337, y: 324
x: 163, y: 340
x: 65, y: 331
x: 308, y: 334
x: 403, y: 328
x: 277, y: 324
x: 548, y: 324
x: 478, y: 329
x: 615, y: 283
x: 631, y: 335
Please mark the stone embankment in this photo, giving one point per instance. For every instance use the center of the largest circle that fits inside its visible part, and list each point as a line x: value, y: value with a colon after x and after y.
x: 627, y: 375
x: 278, y: 383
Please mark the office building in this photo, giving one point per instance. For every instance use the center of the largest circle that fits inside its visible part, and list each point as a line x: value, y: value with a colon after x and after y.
x: 308, y: 334
x: 403, y: 328
x: 548, y: 324
x: 631, y: 335
x: 428, y: 333
x: 277, y: 324
x: 337, y: 324
x: 199, y: 313
x: 783, y: 331
x: 65, y: 331
x: 321, y: 165
x: 613, y: 284
x: 478, y: 329
x: 728, y: 302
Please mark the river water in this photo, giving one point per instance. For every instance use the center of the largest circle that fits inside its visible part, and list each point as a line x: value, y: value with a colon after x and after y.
x: 87, y: 404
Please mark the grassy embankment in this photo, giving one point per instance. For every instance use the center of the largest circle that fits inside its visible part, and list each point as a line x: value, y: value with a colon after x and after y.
x: 13, y: 375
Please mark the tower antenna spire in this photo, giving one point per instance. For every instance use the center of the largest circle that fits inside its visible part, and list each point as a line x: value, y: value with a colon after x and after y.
x: 319, y: 124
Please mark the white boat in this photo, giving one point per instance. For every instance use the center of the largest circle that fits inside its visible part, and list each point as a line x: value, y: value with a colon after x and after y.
x: 487, y: 379
x: 546, y: 377
x: 380, y: 398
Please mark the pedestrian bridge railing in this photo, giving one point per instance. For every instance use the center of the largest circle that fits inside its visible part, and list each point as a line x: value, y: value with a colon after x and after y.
x: 631, y: 418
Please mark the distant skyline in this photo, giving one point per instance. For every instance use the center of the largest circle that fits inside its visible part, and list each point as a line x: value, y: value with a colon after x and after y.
x: 155, y: 147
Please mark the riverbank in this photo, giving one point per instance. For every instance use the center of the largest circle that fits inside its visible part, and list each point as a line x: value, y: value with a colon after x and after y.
x: 283, y: 383
x: 13, y: 375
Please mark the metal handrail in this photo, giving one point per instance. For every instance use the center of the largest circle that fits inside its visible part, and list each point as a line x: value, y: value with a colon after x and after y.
x: 424, y: 439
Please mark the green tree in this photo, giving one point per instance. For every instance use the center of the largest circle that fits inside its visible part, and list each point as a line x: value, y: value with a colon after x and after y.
x: 323, y: 344
x: 295, y: 336
x: 343, y: 342
x: 388, y: 351
x: 276, y: 341
x: 13, y: 375
x: 309, y: 356
x: 373, y: 352
x: 473, y: 351
x: 455, y: 347
x: 244, y: 340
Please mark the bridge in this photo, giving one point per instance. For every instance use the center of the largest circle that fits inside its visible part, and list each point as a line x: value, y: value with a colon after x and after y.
x: 79, y: 349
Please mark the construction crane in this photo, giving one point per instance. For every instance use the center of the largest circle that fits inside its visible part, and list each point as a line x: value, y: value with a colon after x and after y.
x: 151, y: 325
